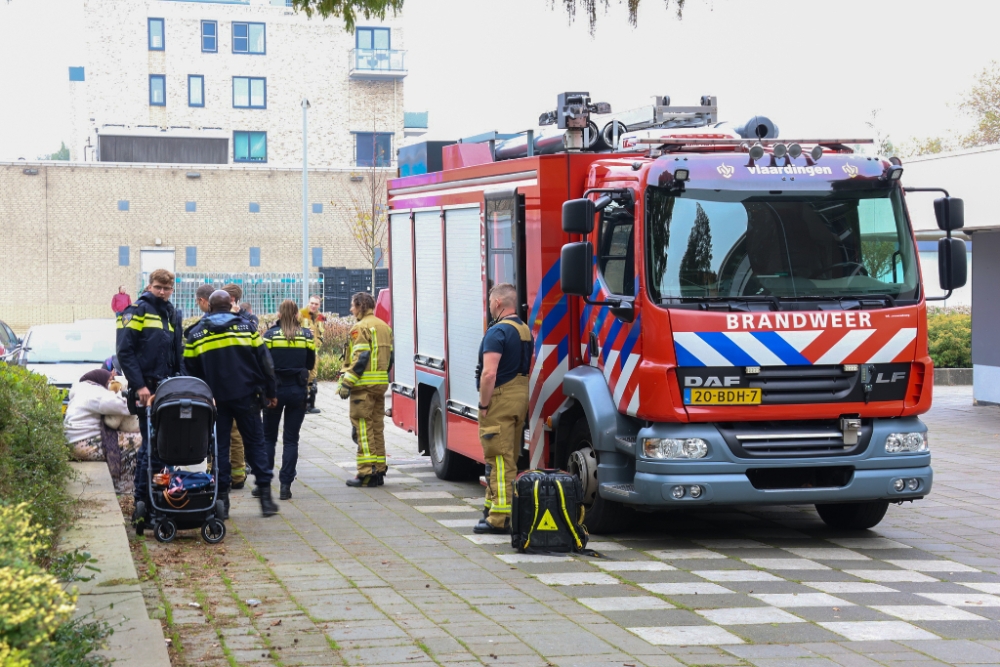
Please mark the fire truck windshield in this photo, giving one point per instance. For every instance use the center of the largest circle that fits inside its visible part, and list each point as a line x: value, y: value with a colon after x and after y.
x: 703, y: 245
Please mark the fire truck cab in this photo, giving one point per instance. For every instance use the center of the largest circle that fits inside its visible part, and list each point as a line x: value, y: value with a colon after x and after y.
x: 719, y: 317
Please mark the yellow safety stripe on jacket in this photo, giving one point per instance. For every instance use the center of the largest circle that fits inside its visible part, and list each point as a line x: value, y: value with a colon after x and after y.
x: 350, y: 378
x: 220, y: 341
x: 502, y: 505
x: 534, y: 519
x: 358, y: 348
x: 371, y: 378
x: 569, y: 522
x: 140, y: 322
x: 297, y: 342
x: 374, y: 355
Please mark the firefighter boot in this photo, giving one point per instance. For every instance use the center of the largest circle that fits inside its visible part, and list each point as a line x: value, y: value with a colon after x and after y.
x: 311, y: 399
x: 365, y: 480
x: 267, y: 505
x: 484, y: 527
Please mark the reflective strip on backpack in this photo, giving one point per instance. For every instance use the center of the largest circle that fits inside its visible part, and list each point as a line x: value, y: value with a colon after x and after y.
x: 569, y: 522
x: 534, y: 519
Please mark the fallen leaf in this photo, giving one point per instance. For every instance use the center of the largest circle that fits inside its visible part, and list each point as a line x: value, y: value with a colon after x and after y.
x: 274, y: 623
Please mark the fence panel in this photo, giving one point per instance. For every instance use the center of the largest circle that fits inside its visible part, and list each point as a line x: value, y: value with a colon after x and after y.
x: 263, y: 291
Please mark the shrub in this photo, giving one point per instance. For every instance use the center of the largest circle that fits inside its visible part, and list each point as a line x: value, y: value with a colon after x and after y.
x: 328, y: 367
x: 949, y: 338
x: 34, y: 455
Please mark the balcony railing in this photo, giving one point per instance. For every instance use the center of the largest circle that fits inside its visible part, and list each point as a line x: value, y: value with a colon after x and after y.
x: 378, y: 64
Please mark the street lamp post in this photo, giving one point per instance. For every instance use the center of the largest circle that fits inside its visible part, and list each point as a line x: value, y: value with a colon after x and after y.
x: 305, y: 204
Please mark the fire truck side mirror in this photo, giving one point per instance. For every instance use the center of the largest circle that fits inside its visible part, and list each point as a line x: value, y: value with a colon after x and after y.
x: 952, y: 266
x: 576, y: 268
x: 949, y: 211
x: 578, y: 216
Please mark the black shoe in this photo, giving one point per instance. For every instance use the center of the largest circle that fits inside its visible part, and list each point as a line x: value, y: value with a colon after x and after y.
x: 484, y: 528
x: 139, y: 512
x: 367, y: 480
x: 286, y: 492
x: 238, y: 486
x: 224, y: 497
x: 267, y: 505
x: 313, y: 411
x: 255, y: 492
x: 380, y: 478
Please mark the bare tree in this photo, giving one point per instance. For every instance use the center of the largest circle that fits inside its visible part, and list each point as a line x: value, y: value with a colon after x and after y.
x: 368, y: 222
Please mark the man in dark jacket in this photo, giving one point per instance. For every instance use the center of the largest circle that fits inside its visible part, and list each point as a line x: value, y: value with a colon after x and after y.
x: 150, y: 348
x: 227, y: 352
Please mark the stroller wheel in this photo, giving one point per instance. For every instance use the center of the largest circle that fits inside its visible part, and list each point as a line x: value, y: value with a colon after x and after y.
x: 166, y: 531
x: 213, y: 531
x: 139, y: 517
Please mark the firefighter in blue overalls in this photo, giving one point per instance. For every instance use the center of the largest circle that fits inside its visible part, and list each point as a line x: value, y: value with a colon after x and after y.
x: 150, y: 349
x: 502, y: 378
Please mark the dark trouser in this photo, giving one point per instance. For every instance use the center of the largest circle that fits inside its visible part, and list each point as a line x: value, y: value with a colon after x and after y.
x: 141, y: 473
x: 291, y: 400
x: 246, y: 413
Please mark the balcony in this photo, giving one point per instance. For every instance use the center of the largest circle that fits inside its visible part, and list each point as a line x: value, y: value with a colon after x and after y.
x: 377, y: 64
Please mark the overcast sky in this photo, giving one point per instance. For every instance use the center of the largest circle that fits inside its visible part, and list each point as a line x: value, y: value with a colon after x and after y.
x: 814, y: 67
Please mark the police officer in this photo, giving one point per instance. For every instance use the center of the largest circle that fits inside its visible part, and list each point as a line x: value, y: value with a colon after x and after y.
x: 237, y: 456
x: 150, y: 348
x: 364, y: 380
x: 227, y: 352
x: 294, y: 353
x: 504, y: 363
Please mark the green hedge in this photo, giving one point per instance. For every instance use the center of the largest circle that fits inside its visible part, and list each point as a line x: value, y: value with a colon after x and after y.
x: 949, y: 338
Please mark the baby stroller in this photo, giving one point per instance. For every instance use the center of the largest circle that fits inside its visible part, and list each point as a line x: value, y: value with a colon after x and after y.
x: 181, y: 433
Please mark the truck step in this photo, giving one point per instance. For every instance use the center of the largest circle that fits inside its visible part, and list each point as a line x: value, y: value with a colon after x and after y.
x: 623, y: 491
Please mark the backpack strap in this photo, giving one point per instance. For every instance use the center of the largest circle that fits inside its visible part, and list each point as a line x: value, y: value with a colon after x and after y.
x: 534, y: 519
x: 569, y: 522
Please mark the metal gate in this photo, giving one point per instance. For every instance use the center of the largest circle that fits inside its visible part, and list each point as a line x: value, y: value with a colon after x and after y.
x: 263, y: 291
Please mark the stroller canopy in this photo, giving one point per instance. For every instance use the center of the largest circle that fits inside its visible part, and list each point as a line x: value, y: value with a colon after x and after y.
x: 177, y: 388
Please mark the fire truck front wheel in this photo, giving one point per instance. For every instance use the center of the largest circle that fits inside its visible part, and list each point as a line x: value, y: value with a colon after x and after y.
x: 602, y: 516
x: 447, y: 464
x: 853, y: 516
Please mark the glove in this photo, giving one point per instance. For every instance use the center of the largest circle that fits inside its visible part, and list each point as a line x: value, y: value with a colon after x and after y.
x: 344, y: 391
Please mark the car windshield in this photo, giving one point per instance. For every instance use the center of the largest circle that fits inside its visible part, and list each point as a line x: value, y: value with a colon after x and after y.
x: 717, y: 245
x: 70, y: 345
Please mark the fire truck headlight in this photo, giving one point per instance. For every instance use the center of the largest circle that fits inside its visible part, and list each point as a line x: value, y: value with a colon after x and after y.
x: 675, y: 448
x: 903, y: 443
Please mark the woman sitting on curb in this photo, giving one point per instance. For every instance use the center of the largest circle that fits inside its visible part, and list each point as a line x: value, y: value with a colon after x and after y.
x: 91, y: 405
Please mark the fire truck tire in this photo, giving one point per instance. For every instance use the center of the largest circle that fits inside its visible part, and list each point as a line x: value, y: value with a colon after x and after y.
x: 853, y: 516
x: 602, y: 516
x: 447, y: 464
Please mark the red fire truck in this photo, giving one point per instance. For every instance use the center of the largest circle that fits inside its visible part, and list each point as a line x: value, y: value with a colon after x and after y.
x: 720, y: 317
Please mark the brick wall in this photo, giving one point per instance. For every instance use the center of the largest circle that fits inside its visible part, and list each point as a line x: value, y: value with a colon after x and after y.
x: 61, y: 229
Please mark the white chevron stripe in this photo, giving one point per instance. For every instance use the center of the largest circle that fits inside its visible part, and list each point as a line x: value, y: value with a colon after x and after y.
x: 756, y: 349
x: 800, y: 340
x: 633, y: 404
x: 626, y: 375
x: 551, y: 384
x: 609, y: 365
x: 701, y: 350
x: 537, y: 369
x: 844, y: 346
x: 895, y: 345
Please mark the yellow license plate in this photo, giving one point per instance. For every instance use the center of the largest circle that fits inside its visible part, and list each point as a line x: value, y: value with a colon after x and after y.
x: 743, y: 396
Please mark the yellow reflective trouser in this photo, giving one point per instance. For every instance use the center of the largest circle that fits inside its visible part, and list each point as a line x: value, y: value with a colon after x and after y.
x: 367, y: 418
x: 501, y: 433
x: 236, y: 455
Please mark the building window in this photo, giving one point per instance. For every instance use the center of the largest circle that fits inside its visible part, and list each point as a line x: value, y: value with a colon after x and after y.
x: 209, y: 37
x: 249, y: 38
x: 122, y: 204
x: 372, y: 38
x: 196, y: 90
x: 317, y: 208
x: 254, y: 256
x: 191, y: 256
x: 249, y: 92
x: 190, y: 206
x: 250, y: 146
x: 317, y: 256
x: 373, y: 149
x: 254, y: 207
x: 157, y: 90
x: 155, y: 34
x: 76, y: 74
x: 123, y: 255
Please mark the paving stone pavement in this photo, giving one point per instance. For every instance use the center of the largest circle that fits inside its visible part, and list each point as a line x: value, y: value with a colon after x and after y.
x: 394, y: 575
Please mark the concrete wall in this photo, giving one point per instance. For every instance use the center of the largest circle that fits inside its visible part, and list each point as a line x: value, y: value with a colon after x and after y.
x: 305, y: 58
x: 986, y: 318
x: 61, y: 229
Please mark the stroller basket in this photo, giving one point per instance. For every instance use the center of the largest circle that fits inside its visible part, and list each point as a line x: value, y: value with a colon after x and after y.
x: 183, y: 421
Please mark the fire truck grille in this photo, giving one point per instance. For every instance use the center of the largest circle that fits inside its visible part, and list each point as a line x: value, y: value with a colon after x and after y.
x: 793, y: 439
x: 803, y: 384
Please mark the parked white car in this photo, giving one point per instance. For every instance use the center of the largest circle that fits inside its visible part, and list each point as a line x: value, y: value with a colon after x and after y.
x: 64, y: 352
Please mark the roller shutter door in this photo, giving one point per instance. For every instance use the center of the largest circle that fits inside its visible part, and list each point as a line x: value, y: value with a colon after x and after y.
x: 402, y: 298
x: 430, y: 285
x: 466, y: 307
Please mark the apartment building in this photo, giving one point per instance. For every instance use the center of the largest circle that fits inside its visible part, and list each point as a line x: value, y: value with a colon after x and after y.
x: 222, y: 82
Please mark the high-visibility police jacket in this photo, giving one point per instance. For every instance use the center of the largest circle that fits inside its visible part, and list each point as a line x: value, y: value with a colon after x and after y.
x: 227, y: 352
x: 368, y: 353
x: 292, y: 358
x: 150, y: 344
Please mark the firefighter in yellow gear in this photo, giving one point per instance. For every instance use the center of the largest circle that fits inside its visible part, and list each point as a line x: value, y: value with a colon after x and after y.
x: 364, y: 381
x: 311, y: 318
x: 502, y: 376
